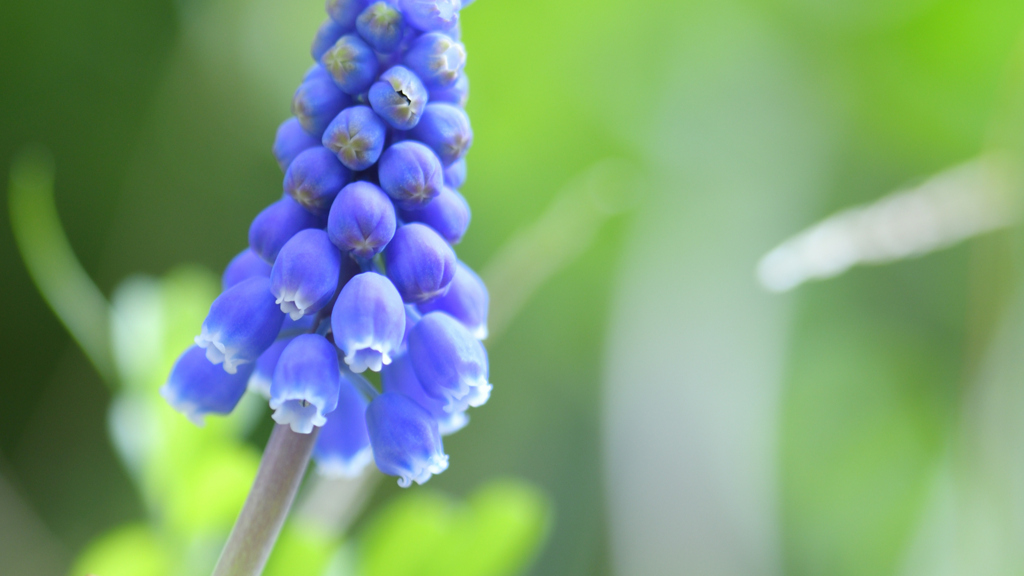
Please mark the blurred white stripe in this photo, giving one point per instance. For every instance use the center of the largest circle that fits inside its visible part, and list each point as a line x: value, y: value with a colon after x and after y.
x: 952, y: 206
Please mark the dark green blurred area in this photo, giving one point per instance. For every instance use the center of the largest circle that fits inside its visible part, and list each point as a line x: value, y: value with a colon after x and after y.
x: 160, y: 125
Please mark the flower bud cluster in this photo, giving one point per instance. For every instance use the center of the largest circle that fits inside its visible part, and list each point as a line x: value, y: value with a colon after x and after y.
x: 353, y: 268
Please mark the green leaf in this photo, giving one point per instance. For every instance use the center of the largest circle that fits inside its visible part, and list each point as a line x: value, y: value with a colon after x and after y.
x: 301, y: 550
x: 132, y: 550
x: 496, y: 533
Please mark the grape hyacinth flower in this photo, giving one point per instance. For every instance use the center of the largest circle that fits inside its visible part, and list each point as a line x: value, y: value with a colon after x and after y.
x: 305, y: 275
x: 430, y: 15
x: 405, y: 439
x: 455, y: 174
x: 290, y: 141
x: 368, y: 322
x: 448, y: 215
x: 449, y: 362
x: 445, y: 129
x: 263, y: 371
x: 457, y: 93
x: 399, y: 377
x: 467, y: 301
x: 318, y: 100
x: 276, y: 224
x: 306, y: 383
x: 399, y: 97
x: 410, y: 173
x: 197, y: 387
x: 247, y: 264
x: 353, y: 269
x: 382, y: 26
x: 343, y: 448
x: 419, y: 263
x: 243, y: 322
x: 352, y: 64
x: 362, y: 220
x: 437, y: 59
x: 357, y: 137
x: 314, y: 179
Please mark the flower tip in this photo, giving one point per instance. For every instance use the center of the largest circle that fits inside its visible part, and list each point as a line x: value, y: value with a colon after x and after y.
x: 187, y: 409
x: 435, y: 465
x: 301, y: 416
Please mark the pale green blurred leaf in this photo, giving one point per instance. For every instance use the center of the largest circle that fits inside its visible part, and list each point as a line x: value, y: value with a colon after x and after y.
x: 301, y: 550
x: 497, y: 532
x: 132, y: 550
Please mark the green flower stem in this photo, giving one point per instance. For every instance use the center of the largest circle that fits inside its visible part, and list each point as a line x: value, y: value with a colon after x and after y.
x: 281, y: 470
x: 51, y: 262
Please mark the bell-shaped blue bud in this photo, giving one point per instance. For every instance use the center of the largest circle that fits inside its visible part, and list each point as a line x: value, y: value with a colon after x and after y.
x: 317, y: 101
x: 314, y: 179
x: 445, y: 128
x: 276, y: 224
x: 263, y: 373
x: 368, y: 321
x: 291, y: 139
x: 467, y: 301
x: 306, y: 383
x: 357, y: 137
x: 448, y: 215
x: 197, y: 388
x: 430, y: 15
x: 437, y: 59
x: 382, y: 26
x: 455, y: 175
x: 342, y: 449
x: 399, y: 377
x: 243, y: 322
x: 457, y: 93
x: 345, y: 12
x: 305, y: 276
x: 326, y: 36
x: 405, y: 439
x: 449, y: 362
x: 247, y: 264
x: 410, y: 173
x: 419, y: 263
x: 399, y: 97
x: 362, y: 220
x: 352, y: 64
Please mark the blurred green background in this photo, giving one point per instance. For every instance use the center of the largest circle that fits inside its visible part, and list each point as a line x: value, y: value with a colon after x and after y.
x: 678, y: 418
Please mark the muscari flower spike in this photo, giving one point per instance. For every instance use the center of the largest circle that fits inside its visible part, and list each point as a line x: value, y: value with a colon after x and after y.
x: 306, y: 383
x: 373, y: 159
